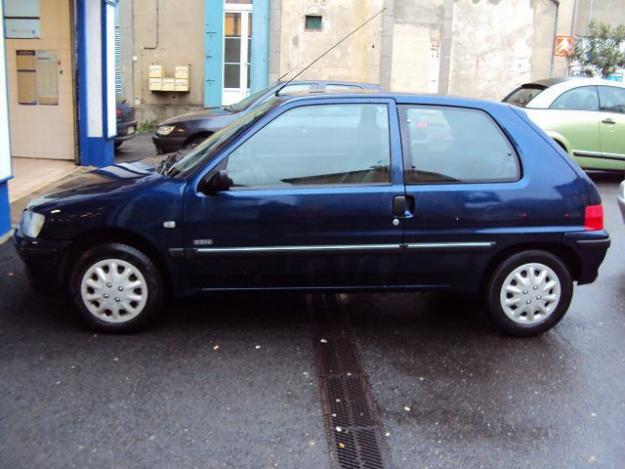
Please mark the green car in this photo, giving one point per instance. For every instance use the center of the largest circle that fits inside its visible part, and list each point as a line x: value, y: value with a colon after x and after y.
x: 586, y: 116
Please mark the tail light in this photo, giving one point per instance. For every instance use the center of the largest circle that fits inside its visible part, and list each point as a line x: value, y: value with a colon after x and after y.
x: 593, y: 218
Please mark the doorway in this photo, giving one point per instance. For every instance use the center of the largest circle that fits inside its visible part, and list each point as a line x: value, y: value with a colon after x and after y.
x: 237, y: 50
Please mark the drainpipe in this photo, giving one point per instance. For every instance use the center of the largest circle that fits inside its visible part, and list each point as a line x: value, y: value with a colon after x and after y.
x: 553, y: 39
x: 445, y: 50
x: 154, y: 47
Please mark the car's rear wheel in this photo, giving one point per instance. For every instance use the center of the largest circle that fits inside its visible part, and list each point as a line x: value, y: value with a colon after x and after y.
x: 529, y: 293
x: 117, y: 288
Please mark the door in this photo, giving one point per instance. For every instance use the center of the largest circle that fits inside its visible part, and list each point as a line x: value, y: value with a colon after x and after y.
x: 237, y: 51
x: 461, y: 172
x: 311, y: 203
x: 575, y: 115
x: 41, y: 79
x: 612, y: 126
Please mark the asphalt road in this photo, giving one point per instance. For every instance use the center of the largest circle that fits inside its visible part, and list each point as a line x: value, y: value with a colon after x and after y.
x: 229, y: 380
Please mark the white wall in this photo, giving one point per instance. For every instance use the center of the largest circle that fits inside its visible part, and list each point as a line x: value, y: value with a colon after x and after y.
x: 5, y: 145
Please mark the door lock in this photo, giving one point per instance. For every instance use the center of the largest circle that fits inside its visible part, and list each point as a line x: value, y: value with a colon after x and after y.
x: 395, y: 221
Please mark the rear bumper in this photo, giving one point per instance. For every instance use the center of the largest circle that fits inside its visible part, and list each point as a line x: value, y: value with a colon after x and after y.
x: 122, y: 131
x: 44, y: 261
x: 591, y: 248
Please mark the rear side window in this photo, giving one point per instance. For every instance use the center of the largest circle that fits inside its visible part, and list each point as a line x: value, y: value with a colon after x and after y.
x: 612, y: 99
x: 523, y: 95
x: 583, y: 98
x: 316, y: 145
x: 455, y: 145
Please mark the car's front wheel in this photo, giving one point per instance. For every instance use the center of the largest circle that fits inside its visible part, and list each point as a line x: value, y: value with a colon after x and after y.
x: 117, y: 288
x: 529, y: 293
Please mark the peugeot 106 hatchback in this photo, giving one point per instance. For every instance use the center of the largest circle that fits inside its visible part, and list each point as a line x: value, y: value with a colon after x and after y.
x: 352, y: 192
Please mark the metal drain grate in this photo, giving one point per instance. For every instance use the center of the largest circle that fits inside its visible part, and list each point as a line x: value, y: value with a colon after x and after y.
x: 352, y: 424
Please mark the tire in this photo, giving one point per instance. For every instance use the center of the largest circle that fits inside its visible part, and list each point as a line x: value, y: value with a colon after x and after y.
x: 513, y: 300
x: 118, y: 309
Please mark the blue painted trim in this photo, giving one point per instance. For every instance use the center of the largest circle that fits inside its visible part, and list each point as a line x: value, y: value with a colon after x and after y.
x: 213, y: 51
x: 81, y: 72
x: 259, y: 73
x: 93, y: 151
x: 5, y: 209
x: 6, y: 179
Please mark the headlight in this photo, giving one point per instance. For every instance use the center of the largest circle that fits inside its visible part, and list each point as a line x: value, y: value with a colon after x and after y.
x: 165, y: 129
x: 32, y: 223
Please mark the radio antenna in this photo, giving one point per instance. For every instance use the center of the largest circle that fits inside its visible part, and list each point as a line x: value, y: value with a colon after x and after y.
x: 326, y: 52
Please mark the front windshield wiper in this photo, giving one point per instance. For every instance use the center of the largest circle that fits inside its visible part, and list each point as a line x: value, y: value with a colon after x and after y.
x: 169, y: 160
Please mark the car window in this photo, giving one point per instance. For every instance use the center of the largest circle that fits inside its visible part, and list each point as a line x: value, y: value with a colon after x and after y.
x: 316, y: 145
x: 446, y: 144
x: 583, y: 98
x: 612, y: 99
x: 523, y: 95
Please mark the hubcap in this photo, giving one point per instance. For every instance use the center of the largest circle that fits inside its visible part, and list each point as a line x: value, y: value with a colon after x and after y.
x: 530, y: 293
x: 114, y: 290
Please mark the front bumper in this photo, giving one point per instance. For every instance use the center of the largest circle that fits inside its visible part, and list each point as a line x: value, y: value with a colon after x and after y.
x: 44, y: 259
x: 591, y: 248
x: 168, y: 144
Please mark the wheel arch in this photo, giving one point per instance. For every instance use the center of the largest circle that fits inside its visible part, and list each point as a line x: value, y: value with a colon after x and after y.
x: 93, y: 238
x: 566, y: 254
x: 561, y: 140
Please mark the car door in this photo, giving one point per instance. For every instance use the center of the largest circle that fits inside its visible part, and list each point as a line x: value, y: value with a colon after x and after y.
x: 575, y: 115
x: 461, y: 174
x: 310, y: 205
x: 612, y: 126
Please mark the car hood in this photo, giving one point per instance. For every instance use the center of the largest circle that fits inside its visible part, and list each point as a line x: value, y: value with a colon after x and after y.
x: 197, y: 115
x: 110, y: 181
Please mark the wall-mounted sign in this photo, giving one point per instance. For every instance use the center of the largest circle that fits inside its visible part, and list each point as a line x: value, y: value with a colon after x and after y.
x: 564, y: 46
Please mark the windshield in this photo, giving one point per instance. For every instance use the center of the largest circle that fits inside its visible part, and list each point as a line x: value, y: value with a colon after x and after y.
x: 209, y: 147
x: 523, y: 95
x: 247, y: 102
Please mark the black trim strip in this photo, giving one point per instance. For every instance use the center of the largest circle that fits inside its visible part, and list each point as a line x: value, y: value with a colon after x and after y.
x: 599, y: 157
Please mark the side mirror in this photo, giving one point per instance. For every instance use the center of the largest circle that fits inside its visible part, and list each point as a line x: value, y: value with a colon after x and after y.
x: 215, y: 182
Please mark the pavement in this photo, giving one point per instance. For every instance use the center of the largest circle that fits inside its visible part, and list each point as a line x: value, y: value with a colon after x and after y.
x: 229, y: 380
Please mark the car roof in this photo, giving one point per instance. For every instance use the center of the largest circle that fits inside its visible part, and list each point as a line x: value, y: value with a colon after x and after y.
x: 399, y: 98
x: 560, y: 85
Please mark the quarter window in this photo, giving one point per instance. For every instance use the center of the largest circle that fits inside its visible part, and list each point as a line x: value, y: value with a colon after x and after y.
x: 583, y: 98
x: 447, y: 145
x: 612, y: 99
x: 316, y: 145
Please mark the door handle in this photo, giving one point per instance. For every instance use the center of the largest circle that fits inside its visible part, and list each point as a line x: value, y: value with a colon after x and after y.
x: 608, y: 120
x: 403, y: 206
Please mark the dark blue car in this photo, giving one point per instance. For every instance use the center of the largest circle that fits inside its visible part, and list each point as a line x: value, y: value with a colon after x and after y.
x: 353, y: 192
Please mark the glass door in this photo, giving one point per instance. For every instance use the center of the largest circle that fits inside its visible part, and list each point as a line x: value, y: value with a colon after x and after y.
x: 237, y: 51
